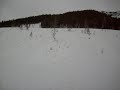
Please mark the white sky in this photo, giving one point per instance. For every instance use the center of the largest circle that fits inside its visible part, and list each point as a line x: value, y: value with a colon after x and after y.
x: 10, y: 9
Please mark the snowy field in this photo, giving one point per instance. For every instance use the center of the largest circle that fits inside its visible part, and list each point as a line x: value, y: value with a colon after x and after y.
x: 67, y: 59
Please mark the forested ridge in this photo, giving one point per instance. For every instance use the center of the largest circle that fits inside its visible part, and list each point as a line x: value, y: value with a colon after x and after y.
x: 74, y: 19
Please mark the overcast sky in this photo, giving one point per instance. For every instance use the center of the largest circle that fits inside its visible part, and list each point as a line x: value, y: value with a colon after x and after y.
x: 10, y: 9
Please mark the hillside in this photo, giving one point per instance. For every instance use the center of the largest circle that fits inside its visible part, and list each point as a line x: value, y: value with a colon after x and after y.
x: 75, y: 19
x: 113, y: 14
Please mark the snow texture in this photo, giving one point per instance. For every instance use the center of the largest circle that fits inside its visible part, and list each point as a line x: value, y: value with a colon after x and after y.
x: 72, y: 59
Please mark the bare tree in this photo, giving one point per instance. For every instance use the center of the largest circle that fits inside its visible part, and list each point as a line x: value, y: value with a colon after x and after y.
x: 87, y: 30
x: 104, y: 23
x: 54, y: 28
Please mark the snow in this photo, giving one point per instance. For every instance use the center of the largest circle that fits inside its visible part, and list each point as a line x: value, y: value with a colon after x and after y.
x: 74, y: 60
x: 113, y: 14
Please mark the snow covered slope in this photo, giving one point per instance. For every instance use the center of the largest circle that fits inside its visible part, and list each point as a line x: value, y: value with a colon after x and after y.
x: 113, y: 14
x: 64, y: 59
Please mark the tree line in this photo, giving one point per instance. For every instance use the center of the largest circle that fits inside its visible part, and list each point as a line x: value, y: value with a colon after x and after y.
x: 74, y: 19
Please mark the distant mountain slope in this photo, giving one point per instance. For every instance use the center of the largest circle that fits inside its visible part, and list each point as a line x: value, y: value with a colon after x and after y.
x: 113, y: 14
x: 74, y: 19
